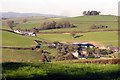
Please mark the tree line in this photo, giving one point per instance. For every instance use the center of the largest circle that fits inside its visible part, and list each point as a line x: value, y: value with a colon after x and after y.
x: 98, y: 26
x: 42, y: 26
x: 91, y: 13
x: 55, y: 25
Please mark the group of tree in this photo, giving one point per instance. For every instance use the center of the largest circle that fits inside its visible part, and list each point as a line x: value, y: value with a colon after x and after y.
x: 91, y: 13
x: 45, y: 26
x: 64, y: 52
x: 55, y: 25
x: 10, y: 24
x: 25, y: 20
x: 64, y: 49
x: 98, y: 26
x: 34, y: 30
x: 73, y: 33
x: 68, y: 56
x: 44, y: 56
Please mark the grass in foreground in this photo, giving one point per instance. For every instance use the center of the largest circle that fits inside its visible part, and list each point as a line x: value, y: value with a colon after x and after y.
x: 30, y: 71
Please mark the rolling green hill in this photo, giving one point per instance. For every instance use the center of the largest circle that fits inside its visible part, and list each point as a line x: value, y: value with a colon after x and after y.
x: 15, y: 40
x: 83, y: 23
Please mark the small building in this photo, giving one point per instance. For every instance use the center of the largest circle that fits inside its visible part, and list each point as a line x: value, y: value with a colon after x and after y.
x: 96, y: 56
x: 82, y: 54
x: 17, y: 31
x: 75, y: 53
x: 25, y: 33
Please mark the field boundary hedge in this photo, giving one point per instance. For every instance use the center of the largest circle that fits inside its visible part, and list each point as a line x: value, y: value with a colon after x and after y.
x: 75, y: 31
x: 98, y: 61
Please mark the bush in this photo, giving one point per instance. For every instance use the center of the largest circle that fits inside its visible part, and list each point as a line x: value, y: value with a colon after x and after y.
x: 98, y: 26
x: 90, y: 56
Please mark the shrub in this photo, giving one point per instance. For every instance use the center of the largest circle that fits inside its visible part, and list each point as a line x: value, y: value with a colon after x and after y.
x: 90, y: 56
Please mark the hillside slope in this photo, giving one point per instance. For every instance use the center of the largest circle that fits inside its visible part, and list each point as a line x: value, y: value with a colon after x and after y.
x: 15, y: 40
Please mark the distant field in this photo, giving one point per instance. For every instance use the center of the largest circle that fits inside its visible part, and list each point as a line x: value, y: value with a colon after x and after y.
x: 53, y: 71
x: 83, y: 23
x: 14, y: 40
x: 105, y: 38
x: 31, y: 22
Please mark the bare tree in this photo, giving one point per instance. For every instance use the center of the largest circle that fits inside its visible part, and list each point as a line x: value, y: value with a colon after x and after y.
x: 10, y: 23
x: 73, y: 34
x: 25, y: 20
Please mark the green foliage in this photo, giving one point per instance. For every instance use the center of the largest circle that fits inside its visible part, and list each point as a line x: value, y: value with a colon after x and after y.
x: 60, y: 70
x: 91, y: 13
x: 90, y: 56
x: 10, y: 23
x: 73, y: 34
x: 55, y: 25
x: 104, y: 52
x: 98, y: 26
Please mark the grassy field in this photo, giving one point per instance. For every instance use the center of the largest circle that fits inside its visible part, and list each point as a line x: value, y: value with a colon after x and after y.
x: 14, y: 40
x: 13, y: 55
x: 83, y: 23
x: 47, y: 71
x: 105, y: 38
x: 31, y: 22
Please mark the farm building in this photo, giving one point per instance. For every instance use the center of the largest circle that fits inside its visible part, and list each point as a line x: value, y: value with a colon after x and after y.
x: 25, y: 33
x: 83, y: 54
x: 84, y: 45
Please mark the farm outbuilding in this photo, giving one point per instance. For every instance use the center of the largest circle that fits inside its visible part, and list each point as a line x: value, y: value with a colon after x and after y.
x: 84, y: 45
x: 25, y: 33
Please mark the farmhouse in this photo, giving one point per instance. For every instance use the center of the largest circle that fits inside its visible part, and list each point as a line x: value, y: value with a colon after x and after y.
x: 83, y: 54
x: 75, y: 53
x: 25, y: 33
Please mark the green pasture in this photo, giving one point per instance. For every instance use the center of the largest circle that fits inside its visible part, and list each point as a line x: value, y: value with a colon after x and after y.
x: 15, y: 40
x: 12, y: 55
x: 53, y: 71
x: 106, y: 38
x: 83, y: 23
